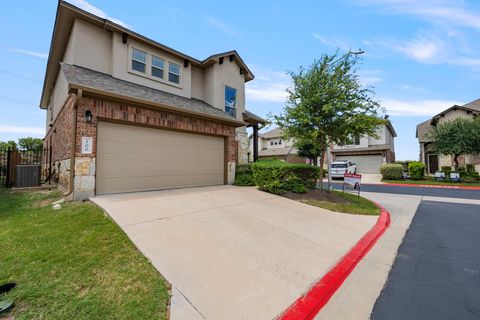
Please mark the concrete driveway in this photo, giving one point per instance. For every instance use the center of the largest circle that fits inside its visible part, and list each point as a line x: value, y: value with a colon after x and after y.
x: 234, y: 252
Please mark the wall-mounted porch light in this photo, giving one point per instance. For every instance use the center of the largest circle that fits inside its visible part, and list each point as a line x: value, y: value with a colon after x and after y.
x: 88, y: 116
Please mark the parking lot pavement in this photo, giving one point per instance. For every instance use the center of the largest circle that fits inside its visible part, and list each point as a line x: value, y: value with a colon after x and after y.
x: 436, y: 274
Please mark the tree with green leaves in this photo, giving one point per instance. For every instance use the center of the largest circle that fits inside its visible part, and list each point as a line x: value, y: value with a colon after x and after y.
x: 307, y: 148
x: 456, y: 137
x: 327, y: 104
x: 8, y: 144
x: 30, y: 143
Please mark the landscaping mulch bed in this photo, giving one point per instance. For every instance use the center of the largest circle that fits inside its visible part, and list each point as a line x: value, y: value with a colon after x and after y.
x: 317, y: 194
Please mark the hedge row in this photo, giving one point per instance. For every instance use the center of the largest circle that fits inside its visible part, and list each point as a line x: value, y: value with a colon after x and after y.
x: 392, y: 171
x: 244, y: 175
x: 279, y: 177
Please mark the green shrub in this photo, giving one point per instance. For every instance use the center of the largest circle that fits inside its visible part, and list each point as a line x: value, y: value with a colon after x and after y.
x: 416, y: 170
x: 404, y: 163
x: 447, y: 170
x: 244, y: 175
x: 392, y: 171
x: 280, y: 177
x: 470, y: 168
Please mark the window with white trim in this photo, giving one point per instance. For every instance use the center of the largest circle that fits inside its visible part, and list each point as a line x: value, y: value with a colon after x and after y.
x: 173, y: 72
x: 231, y: 101
x: 139, y: 60
x: 157, y: 67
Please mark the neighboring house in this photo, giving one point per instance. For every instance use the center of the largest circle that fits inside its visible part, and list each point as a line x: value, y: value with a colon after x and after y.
x: 271, y: 145
x: 434, y: 162
x: 126, y: 113
x: 369, y: 153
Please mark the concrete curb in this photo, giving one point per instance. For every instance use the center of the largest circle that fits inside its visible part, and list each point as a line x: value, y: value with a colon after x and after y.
x: 307, y: 306
x: 430, y: 186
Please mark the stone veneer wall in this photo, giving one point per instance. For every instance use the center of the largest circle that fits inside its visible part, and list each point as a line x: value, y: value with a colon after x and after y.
x: 102, y: 109
x: 243, y: 144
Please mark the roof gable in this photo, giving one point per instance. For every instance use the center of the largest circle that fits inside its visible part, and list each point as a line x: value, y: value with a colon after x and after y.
x: 67, y: 13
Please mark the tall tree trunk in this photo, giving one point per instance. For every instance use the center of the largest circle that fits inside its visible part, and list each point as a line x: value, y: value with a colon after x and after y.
x: 455, y: 159
x: 322, y: 161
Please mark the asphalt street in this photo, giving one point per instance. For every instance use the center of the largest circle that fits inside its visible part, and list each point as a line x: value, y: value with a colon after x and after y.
x: 418, y: 191
x: 436, y: 274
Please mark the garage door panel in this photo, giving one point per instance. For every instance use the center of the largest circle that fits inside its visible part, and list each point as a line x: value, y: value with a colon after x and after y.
x: 366, y: 163
x: 133, y: 158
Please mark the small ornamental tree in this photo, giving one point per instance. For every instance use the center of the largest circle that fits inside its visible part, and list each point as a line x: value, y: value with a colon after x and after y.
x: 327, y: 104
x: 456, y: 137
x: 30, y: 143
x: 8, y: 144
x: 307, y: 149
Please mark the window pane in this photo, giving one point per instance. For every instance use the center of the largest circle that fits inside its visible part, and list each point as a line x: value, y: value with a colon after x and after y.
x: 157, y: 72
x: 173, y: 78
x: 157, y: 62
x: 174, y: 68
x: 139, y: 55
x: 138, y: 66
x: 230, y: 98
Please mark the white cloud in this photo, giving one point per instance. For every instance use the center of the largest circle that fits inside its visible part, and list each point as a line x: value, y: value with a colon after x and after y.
x: 370, y: 77
x: 83, y: 4
x: 35, y: 54
x: 334, y: 43
x: 24, y: 130
x: 268, y: 86
x: 416, y: 89
x: 452, y: 12
x: 397, y: 107
x: 220, y: 25
x: 421, y: 49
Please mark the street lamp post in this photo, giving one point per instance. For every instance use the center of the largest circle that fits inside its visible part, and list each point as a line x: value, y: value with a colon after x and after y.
x: 329, y: 152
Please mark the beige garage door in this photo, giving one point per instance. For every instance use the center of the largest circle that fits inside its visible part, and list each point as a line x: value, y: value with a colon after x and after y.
x: 365, y: 164
x: 131, y: 158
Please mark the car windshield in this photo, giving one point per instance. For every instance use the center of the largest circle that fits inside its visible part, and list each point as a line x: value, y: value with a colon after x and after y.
x: 339, y: 165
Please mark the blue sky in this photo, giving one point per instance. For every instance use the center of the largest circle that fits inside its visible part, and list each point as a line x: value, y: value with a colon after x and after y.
x: 420, y: 56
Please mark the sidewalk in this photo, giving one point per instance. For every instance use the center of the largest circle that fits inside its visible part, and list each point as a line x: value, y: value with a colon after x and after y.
x: 356, y: 297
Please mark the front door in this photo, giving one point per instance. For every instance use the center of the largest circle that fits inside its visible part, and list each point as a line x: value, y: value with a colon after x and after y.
x: 432, y: 163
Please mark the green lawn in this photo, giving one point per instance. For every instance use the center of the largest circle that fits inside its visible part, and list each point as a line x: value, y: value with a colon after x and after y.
x: 432, y: 182
x: 354, y: 204
x: 74, y: 263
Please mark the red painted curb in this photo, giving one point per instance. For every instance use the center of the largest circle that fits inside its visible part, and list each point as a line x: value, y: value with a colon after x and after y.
x: 430, y: 186
x: 307, y: 306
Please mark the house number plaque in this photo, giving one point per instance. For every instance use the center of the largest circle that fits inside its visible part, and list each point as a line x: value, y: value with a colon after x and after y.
x: 87, y: 143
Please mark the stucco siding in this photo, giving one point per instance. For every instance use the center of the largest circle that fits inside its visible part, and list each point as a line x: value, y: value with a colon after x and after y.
x: 197, y: 83
x: 121, y: 61
x: 454, y: 114
x: 228, y: 74
x: 90, y: 47
x: 57, y: 99
x: 381, y: 136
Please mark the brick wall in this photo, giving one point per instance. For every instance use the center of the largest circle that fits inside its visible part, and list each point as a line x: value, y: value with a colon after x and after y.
x: 155, y: 118
x: 59, y: 136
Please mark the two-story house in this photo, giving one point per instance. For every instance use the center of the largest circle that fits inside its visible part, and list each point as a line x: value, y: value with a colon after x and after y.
x: 272, y: 145
x: 428, y: 156
x: 126, y: 113
x: 369, y: 153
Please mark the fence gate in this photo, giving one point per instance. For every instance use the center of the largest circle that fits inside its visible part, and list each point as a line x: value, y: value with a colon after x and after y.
x: 13, y: 159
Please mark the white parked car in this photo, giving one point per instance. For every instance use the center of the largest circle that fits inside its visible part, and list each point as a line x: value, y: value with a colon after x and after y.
x: 339, y: 168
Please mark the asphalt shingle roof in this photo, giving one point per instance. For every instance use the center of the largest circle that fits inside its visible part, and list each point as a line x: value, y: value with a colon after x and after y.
x: 100, y: 81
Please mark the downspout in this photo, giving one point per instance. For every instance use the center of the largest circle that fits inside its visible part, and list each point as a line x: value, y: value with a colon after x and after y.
x: 74, y: 143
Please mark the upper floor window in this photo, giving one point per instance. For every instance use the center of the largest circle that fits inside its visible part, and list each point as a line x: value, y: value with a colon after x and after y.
x: 139, y: 60
x: 173, y: 72
x: 157, y: 67
x: 356, y: 140
x: 231, y: 101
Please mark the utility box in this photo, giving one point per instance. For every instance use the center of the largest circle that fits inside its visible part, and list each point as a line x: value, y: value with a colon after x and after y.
x: 27, y: 176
